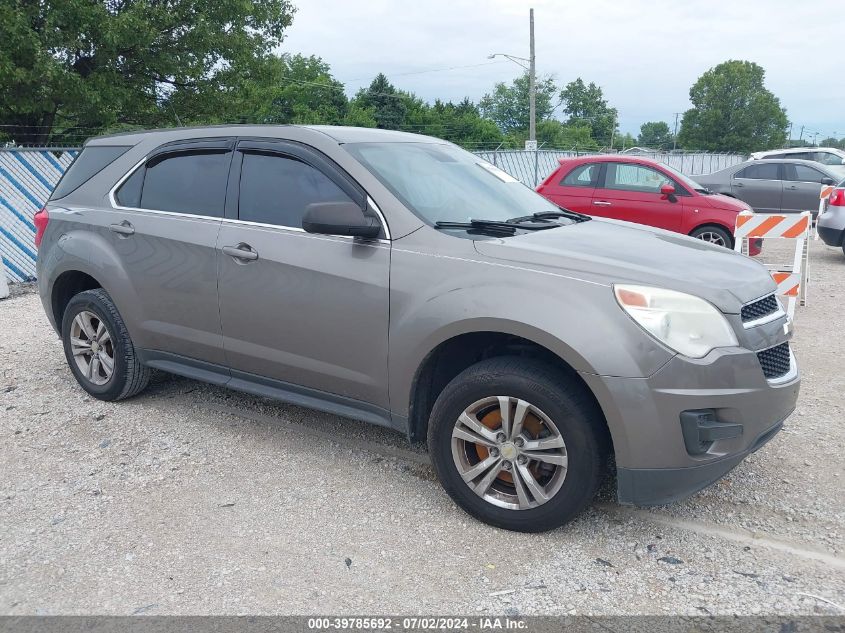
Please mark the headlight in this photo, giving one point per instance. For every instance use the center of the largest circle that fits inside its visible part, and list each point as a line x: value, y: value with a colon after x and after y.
x: 689, y: 325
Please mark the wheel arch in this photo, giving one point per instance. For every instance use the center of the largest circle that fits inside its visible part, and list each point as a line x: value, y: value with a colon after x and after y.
x: 456, y: 353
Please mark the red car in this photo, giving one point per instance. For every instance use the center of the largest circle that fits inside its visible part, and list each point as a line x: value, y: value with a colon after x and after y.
x: 643, y: 191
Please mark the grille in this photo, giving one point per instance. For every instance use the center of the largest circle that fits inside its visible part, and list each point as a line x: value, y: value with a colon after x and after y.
x: 774, y: 361
x: 760, y: 308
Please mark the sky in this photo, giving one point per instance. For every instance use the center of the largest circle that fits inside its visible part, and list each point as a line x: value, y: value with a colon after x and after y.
x: 645, y: 54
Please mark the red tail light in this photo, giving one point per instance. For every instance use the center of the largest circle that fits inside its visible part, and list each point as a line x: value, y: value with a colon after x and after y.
x: 40, y: 220
x: 837, y: 198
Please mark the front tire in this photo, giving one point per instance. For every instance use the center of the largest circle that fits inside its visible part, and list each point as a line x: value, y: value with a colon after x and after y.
x: 714, y: 235
x: 98, y: 348
x: 517, y: 443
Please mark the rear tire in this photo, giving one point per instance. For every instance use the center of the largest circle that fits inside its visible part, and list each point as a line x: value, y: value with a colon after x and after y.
x: 98, y: 348
x: 714, y: 235
x: 556, y: 482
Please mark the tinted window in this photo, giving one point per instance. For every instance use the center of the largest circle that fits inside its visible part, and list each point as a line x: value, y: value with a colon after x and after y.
x: 803, y: 173
x: 90, y: 161
x: 630, y: 177
x: 129, y: 194
x: 189, y: 182
x: 582, y: 176
x: 800, y: 155
x: 763, y: 171
x: 277, y: 189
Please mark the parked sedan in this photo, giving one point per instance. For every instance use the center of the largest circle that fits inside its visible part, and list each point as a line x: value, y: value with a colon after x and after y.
x: 773, y: 185
x: 643, y: 191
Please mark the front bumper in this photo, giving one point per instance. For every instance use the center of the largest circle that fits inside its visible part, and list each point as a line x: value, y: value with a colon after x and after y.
x: 654, y: 463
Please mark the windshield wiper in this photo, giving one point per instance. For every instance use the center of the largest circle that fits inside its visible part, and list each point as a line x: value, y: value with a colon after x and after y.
x: 550, y: 215
x: 489, y: 226
x: 506, y: 227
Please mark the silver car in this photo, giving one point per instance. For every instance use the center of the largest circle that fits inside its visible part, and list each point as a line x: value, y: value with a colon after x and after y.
x: 398, y: 279
x: 831, y: 224
x: 773, y: 185
x: 831, y: 157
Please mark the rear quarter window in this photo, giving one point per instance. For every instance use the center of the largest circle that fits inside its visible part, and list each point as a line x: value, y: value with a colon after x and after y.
x: 90, y: 162
x: 582, y: 176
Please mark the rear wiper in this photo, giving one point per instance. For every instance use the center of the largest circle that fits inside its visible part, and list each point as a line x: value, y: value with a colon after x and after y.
x: 550, y: 215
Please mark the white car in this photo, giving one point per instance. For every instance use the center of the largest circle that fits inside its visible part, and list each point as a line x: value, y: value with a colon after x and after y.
x: 830, y: 156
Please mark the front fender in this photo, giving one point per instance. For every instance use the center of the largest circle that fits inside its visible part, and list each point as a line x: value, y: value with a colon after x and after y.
x: 577, y: 320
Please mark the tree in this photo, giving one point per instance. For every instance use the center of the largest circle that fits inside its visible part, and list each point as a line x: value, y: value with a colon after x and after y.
x: 67, y: 65
x: 585, y: 104
x: 507, y: 106
x: 733, y: 111
x: 655, y: 134
x: 388, y: 106
x: 266, y: 89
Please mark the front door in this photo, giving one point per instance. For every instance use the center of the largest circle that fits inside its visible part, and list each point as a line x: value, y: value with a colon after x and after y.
x: 301, y: 309
x: 801, y: 187
x: 631, y: 192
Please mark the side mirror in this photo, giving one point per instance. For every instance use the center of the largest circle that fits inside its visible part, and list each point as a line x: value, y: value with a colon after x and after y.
x: 667, y: 192
x: 828, y: 181
x: 339, y: 218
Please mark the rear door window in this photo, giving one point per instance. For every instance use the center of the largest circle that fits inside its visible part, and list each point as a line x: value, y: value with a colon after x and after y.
x: 762, y: 171
x: 90, y: 162
x: 191, y: 181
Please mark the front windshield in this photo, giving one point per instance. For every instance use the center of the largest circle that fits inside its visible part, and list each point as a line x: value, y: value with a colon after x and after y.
x: 684, y: 180
x: 443, y: 183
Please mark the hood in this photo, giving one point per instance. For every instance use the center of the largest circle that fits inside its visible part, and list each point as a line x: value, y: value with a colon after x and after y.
x: 611, y: 251
x: 721, y: 201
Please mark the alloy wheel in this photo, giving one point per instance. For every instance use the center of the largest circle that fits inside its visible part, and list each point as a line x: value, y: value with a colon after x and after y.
x: 713, y: 238
x: 92, y: 347
x: 509, y: 452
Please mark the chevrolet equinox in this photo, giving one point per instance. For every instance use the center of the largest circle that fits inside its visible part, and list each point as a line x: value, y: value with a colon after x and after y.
x: 400, y: 280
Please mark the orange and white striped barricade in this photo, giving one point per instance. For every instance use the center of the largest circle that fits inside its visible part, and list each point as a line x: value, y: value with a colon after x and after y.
x: 791, y: 278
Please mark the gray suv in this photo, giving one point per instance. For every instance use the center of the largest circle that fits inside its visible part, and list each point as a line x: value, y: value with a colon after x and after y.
x: 398, y: 279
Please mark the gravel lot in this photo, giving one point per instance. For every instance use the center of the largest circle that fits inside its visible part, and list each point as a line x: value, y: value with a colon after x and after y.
x: 192, y: 499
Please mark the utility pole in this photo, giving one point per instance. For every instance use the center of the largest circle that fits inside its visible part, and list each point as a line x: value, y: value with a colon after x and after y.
x: 532, y: 85
x: 789, y: 138
x: 801, y: 136
x: 612, y: 132
x: 675, y: 134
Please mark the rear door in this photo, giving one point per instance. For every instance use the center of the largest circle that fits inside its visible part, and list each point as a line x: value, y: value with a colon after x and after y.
x: 760, y: 186
x: 801, y: 187
x: 164, y: 225
x: 631, y: 192
x: 303, y: 310
x: 573, y: 187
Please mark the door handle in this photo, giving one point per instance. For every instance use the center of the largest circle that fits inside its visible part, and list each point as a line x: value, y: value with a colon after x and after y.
x: 124, y: 229
x: 601, y: 203
x: 792, y: 187
x: 738, y: 184
x: 241, y: 251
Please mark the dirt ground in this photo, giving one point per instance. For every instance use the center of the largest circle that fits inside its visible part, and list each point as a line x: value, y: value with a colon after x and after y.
x: 192, y: 499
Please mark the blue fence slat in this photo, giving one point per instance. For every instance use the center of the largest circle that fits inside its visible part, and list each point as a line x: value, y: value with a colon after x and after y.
x: 27, y: 177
